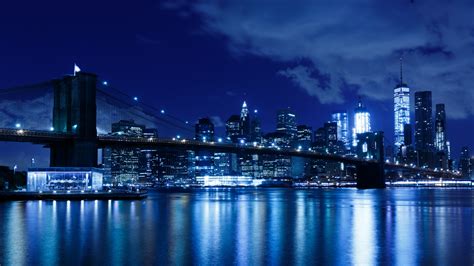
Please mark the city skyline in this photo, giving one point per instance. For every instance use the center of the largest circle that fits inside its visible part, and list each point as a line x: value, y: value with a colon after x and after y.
x: 147, y: 57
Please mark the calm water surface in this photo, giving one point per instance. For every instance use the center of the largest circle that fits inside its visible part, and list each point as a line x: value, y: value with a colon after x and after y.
x: 245, y: 227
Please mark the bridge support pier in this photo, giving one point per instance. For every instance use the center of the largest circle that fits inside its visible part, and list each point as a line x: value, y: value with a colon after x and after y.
x: 370, y: 175
x: 74, y: 112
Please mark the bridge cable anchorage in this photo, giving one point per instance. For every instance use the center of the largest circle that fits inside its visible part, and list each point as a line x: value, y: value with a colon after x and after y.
x: 140, y: 112
x: 127, y: 96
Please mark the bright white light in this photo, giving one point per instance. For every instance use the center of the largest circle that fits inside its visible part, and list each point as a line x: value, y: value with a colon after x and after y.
x: 178, y: 136
x: 163, y: 111
x: 135, y: 98
x: 75, y: 126
x: 51, y: 128
x: 219, y: 140
x: 17, y: 125
x: 105, y: 83
x: 242, y: 141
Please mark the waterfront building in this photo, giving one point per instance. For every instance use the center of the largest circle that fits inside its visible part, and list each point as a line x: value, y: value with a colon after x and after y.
x: 125, y: 161
x: 149, y: 159
x: 440, y: 128
x: 361, y: 122
x: 465, y: 163
x: 401, y: 98
x: 424, y: 128
x: 177, y: 168
x: 342, y: 121
x: 64, y: 179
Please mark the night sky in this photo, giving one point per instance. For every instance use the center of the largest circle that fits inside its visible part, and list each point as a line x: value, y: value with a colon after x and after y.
x: 204, y: 58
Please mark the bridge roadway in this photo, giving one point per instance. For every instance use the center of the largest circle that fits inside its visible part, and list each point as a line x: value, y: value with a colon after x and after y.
x: 50, y: 137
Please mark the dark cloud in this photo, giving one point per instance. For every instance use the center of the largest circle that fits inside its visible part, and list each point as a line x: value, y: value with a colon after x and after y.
x: 355, y: 42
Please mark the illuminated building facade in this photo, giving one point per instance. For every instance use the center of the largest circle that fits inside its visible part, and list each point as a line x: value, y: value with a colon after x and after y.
x: 401, y: 99
x: 361, y: 122
x: 64, y: 179
x: 286, y: 123
x: 342, y: 121
x: 440, y: 128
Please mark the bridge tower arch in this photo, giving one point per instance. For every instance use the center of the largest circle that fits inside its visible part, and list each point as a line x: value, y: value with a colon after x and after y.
x: 75, y: 112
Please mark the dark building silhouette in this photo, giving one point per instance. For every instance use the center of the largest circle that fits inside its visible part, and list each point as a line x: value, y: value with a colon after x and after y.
x: 286, y: 123
x: 233, y: 130
x: 74, y: 111
x: 465, y: 163
x: 204, y: 129
x: 424, y: 128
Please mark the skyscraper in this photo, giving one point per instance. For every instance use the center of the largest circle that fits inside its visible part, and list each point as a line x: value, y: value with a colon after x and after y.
x: 286, y: 123
x: 361, y: 122
x: 401, y: 98
x: 440, y: 128
x: 342, y: 127
x: 424, y: 127
x: 125, y: 161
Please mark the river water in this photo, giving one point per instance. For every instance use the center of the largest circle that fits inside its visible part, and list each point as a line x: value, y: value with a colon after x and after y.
x: 402, y: 226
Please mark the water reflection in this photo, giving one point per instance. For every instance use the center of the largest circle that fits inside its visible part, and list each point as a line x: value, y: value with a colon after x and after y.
x: 244, y: 227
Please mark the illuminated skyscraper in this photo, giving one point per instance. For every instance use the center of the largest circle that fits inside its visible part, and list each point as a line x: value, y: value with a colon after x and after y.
x: 361, y: 122
x: 440, y: 128
x: 342, y: 127
x: 401, y: 98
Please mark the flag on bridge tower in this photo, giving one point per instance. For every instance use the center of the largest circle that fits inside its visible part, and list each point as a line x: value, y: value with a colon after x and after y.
x: 76, y: 69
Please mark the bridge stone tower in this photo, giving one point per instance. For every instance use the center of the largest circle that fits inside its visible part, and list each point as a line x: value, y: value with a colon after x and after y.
x: 372, y: 174
x: 74, y: 112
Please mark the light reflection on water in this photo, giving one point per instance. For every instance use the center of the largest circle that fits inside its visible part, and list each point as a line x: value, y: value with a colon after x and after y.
x: 245, y: 227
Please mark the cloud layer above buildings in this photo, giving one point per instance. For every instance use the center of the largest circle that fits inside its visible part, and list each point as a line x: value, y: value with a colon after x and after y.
x: 332, y: 47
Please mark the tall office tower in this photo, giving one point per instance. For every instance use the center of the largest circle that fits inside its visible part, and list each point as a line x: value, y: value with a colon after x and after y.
x: 424, y: 128
x: 232, y: 127
x: 204, y: 130
x: 440, y: 128
x: 401, y: 99
x: 465, y: 164
x: 125, y: 161
x: 342, y: 127
x: 286, y: 123
x: 361, y: 122
x: 245, y: 122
